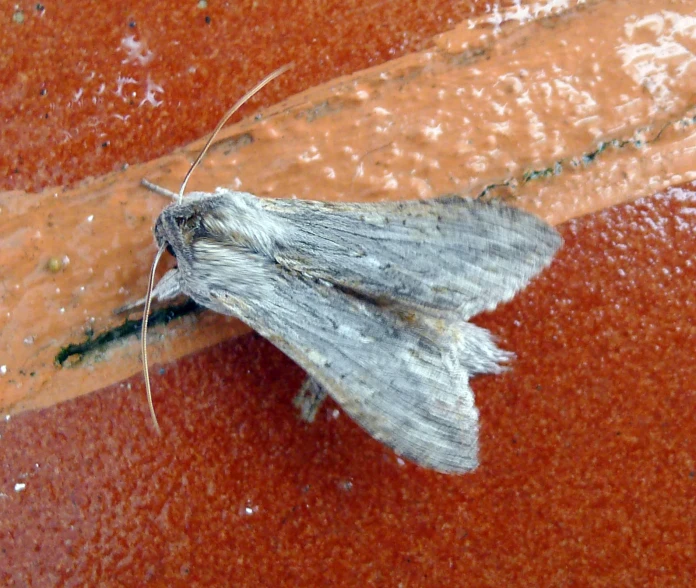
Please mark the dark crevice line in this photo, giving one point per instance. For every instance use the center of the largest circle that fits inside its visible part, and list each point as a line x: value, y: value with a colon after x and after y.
x: 585, y: 159
x: 78, y: 351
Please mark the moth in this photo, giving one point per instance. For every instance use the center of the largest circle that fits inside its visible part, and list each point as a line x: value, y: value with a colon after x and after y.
x: 373, y: 301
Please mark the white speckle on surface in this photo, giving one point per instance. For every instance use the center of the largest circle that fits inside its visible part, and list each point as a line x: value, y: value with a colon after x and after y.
x: 390, y: 182
x: 432, y: 132
x: 335, y: 413
x: 90, y: 218
x: 3, y: 370
x: 136, y: 51
x: 499, y: 109
x: 29, y: 340
x: 122, y: 81
x: 19, y: 487
x: 312, y: 154
x: 346, y: 485
x: 478, y: 163
x: 62, y: 310
x: 151, y: 89
x: 400, y: 461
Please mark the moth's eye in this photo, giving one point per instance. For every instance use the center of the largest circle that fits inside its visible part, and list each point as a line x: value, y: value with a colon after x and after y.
x: 170, y: 250
x: 187, y: 222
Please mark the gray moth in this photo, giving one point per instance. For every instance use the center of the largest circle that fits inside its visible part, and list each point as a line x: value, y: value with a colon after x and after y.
x: 371, y: 300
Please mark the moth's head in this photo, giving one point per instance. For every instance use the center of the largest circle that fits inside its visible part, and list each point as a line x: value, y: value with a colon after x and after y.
x: 177, y: 227
x: 199, y: 217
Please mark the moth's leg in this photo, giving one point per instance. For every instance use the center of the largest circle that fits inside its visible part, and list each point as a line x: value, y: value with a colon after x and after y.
x: 159, y: 189
x: 168, y: 287
x: 309, y: 399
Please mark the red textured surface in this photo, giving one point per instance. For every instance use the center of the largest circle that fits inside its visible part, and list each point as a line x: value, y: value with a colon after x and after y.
x: 587, y: 471
x: 49, y: 137
x: 587, y: 475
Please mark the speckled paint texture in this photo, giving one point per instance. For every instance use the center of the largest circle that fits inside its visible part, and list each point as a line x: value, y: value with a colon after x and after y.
x: 587, y: 472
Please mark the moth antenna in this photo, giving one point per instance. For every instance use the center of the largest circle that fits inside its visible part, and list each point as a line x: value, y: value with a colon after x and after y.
x: 151, y: 280
x: 269, y: 78
x: 143, y: 336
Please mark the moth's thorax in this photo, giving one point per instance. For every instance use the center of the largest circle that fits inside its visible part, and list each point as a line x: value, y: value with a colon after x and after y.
x: 221, y: 241
x: 231, y: 219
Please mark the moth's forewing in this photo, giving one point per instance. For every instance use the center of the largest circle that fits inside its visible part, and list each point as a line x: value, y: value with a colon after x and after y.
x: 449, y: 255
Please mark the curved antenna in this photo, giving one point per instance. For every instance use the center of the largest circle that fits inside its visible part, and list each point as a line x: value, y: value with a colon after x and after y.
x: 143, y: 336
x: 151, y: 281
x: 269, y: 78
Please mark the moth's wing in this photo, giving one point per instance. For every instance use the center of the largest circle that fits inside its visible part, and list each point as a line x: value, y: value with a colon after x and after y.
x: 449, y: 254
x: 405, y: 382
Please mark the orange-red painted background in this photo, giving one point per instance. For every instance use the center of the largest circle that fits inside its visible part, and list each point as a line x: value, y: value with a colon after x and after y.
x: 587, y: 475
